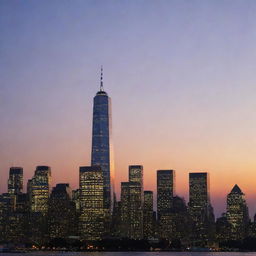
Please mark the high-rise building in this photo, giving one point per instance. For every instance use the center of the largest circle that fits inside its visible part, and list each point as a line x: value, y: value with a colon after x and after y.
x: 136, y: 174
x: 101, y: 142
x: 165, y: 192
x: 91, y: 220
x: 200, y: 208
x: 15, y: 181
x: 38, y: 193
x: 132, y: 204
x: 148, y: 215
x: 39, y: 187
x: 62, y: 213
x: 237, y: 214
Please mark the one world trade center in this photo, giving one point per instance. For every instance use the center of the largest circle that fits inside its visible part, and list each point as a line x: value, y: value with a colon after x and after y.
x: 102, y: 154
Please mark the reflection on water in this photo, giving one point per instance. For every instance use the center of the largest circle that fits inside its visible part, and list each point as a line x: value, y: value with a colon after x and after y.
x: 131, y: 254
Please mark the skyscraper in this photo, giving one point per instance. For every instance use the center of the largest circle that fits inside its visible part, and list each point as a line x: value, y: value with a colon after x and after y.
x: 200, y: 208
x: 132, y: 203
x: 91, y: 220
x: 39, y: 187
x: 38, y: 193
x: 165, y: 192
x: 15, y: 181
x: 237, y: 213
x: 101, y: 142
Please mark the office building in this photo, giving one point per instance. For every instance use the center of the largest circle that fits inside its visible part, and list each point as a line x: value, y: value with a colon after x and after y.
x: 15, y: 181
x: 92, y: 212
x: 237, y: 214
x: 165, y: 193
x: 200, y: 209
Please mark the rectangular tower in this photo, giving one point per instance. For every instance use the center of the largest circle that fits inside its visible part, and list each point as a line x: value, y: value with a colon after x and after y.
x: 91, y: 221
x: 165, y: 192
x: 39, y: 189
x: 148, y: 215
x: 200, y: 208
x: 15, y: 181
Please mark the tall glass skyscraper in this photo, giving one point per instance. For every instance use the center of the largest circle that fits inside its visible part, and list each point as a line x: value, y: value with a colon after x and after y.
x: 101, y: 142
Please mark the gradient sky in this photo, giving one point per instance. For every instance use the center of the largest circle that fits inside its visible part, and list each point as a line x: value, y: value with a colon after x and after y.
x: 181, y: 75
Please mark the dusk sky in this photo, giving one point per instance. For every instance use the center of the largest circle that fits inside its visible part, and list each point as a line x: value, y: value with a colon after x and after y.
x: 181, y: 75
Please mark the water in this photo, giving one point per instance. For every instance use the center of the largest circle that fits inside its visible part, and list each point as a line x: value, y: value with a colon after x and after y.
x: 131, y: 254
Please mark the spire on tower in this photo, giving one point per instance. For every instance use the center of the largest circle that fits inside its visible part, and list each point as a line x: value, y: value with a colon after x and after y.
x: 101, y: 79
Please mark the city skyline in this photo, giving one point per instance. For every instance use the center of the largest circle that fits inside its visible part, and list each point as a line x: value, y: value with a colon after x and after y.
x: 186, y: 94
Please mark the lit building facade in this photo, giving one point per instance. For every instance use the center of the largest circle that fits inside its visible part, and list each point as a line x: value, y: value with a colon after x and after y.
x: 165, y: 192
x: 102, y: 154
x: 39, y: 189
x: 15, y: 181
x: 237, y: 214
x: 132, y: 204
x: 200, y: 208
x: 91, y: 220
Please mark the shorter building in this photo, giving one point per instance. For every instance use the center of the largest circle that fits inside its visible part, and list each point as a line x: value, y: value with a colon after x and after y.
x: 62, y: 213
x: 237, y: 214
x: 92, y: 214
x: 132, y: 204
x: 15, y: 181
x: 39, y: 189
x: 148, y: 215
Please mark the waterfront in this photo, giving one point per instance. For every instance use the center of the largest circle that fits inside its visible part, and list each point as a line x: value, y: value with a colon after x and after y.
x: 133, y: 253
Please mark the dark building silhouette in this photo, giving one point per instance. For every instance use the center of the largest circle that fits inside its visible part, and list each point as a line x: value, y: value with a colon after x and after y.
x: 200, y: 209
x: 148, y: 215
x: 62, y: 218
x: 15, y: 181
x: 181, y: 222
x: 223, y: 229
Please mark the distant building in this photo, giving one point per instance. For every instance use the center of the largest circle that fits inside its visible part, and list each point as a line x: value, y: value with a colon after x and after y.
x: 181, y: 224
x: 165, y: 193
x: 92, y: 214
x: 38, y: 193
x: 148, y: 215
x: 200, y: 209
x: 237, y: 214
x: 62, y: 213
x: 132, y: 203
x: 39, y: 189
x: 15, y: 181
x: 223, y: 229
x: 17, y: 220
x: 76, y: 199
